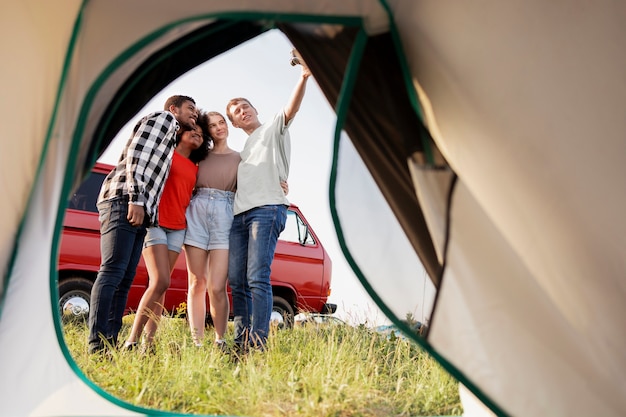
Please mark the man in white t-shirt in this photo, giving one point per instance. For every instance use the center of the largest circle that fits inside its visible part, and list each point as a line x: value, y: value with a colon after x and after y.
x: 260, y: 212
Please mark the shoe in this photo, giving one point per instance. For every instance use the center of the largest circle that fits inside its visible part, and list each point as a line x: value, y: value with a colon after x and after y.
x: 147, y: 349
x: 241, y: 349
x: 222, y: 346
x: 128, y: 346
x: 258, y: 344
x: 96, y: 349
x: 237, y: 353
x: 104, y: 346
x: 258, y: 347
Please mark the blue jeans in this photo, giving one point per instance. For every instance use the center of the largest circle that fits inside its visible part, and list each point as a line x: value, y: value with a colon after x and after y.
x: 253, y: 238
x: 120, y: 248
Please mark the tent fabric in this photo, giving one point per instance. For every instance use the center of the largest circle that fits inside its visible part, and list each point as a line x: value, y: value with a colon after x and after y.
x: 489, y: 137
x: 40, y: 47
x: 527, y: 117
x: 392, y: 119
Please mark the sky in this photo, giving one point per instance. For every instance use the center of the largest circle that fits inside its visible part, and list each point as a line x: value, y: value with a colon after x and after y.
x: 260, y: 71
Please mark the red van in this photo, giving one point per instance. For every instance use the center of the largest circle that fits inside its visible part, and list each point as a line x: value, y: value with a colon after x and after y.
x: 301, y: 270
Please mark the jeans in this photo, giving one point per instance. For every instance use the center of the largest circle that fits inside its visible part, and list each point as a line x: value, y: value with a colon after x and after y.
x: 120, y: 248
x: 253, y: 238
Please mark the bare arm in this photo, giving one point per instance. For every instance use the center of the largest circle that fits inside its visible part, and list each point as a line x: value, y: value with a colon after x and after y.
x: 297, y: 95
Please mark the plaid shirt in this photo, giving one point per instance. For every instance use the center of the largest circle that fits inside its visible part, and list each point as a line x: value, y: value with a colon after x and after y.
x: 144, y: 164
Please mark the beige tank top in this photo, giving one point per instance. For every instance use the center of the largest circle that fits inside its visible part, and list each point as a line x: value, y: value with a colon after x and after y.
x: 219, y: 171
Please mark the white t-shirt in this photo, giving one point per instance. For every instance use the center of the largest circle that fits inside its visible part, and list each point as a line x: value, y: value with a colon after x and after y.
x: 264, y: 163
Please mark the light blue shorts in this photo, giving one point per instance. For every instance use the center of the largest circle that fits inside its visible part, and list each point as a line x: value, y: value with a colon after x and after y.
x: 209, y: 217
x: 163, y: 236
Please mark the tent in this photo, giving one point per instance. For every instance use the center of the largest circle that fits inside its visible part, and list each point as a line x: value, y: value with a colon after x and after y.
x: 494, y: 131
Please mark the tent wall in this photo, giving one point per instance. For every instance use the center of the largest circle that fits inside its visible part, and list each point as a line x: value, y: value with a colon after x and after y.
x: 392, y: 119
x: 524, y: 103
x: 70, y: 61
x: 30, y: 77
x: 527, y: 102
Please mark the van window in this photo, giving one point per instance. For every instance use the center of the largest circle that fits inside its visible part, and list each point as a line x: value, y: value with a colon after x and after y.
x: 296, y: 230
x: 87, y: 194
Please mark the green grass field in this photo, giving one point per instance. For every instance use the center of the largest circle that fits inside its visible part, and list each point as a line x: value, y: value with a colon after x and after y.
x: 306, y: 371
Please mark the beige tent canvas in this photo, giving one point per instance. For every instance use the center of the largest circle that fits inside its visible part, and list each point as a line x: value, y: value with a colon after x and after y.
x: 503, y: 133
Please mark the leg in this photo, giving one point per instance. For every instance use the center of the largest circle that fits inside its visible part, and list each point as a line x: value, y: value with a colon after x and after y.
x: 266, y: 223
x: 150, y: 307
x: 237, y: 265
x: 196, y: 296
x: 218, y: 295
x: 121, y: 295
x: 119, y: 245
x: 151, y: 326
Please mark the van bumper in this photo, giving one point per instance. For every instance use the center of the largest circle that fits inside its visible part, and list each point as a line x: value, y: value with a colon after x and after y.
x: 328, y: 308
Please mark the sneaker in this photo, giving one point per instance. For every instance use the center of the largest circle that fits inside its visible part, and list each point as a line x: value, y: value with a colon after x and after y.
x: 221, y: 346
x: 147, y: 349
x: 241, y: 349
x: 104, y: 346
x: 128, y: 346
x: 96, y: 349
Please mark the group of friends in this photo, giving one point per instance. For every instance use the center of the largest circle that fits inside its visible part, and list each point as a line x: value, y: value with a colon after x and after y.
x: 178, y: 184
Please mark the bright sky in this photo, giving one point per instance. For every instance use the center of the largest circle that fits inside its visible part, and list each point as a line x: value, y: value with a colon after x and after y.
x: 260, y: 71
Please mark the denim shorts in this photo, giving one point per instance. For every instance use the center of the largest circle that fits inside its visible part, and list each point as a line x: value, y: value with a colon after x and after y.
x: 209, y: 217
x: 163, y: 236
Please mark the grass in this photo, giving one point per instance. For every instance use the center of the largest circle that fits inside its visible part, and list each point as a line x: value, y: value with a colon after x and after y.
x: 336, y: 371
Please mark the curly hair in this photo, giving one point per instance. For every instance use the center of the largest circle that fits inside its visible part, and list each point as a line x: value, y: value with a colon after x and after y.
x: 199, y: 154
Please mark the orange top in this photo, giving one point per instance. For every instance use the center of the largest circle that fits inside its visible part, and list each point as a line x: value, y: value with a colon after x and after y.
x: 177, y: 193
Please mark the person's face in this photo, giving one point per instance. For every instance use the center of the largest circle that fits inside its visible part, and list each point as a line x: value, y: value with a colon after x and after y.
x: 218, y: 128
x: 186, y: 114
x: 244, y: 115
x: 191, y: 139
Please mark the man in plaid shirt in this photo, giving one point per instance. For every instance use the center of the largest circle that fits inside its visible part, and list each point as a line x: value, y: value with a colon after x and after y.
x: 127, y: 205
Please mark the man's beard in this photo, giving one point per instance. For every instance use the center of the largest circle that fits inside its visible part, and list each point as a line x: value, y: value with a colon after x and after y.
x: 190, y: 125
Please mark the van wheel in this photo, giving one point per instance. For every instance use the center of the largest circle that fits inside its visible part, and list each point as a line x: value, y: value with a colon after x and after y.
x: 74, y: 298
x: 282, y: 313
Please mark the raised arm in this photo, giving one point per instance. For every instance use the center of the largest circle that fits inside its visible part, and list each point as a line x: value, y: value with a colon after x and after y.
x: 297, y: 95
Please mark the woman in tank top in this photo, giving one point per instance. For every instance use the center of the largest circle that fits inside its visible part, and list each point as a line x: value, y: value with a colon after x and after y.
x: 209, y: 217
